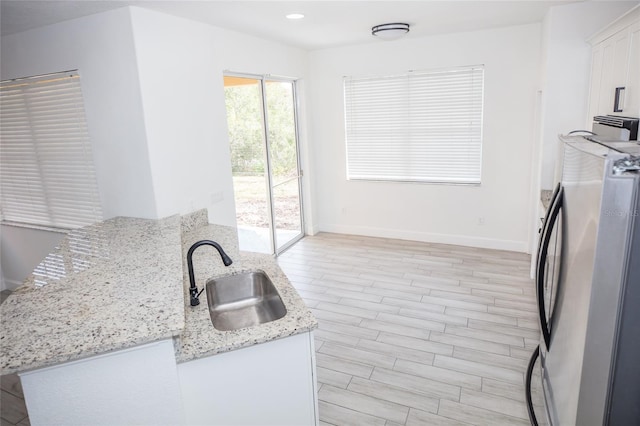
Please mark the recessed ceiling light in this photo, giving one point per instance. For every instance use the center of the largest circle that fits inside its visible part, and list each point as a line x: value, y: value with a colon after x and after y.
x: 295, y: 16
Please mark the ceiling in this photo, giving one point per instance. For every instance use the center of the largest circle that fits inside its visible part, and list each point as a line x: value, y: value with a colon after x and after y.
x: 326, y: 24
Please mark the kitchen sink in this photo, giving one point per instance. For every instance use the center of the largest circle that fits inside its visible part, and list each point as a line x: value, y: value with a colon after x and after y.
x: 243, y: 300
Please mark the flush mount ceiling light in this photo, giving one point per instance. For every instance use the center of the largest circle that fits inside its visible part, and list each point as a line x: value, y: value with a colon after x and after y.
x: 390, y: 31
x: 295, y: 16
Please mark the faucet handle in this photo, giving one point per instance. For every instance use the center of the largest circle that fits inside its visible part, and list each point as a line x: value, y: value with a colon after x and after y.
x: 194, y: 297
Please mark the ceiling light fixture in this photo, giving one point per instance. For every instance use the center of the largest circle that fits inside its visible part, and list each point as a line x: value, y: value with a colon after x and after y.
x: 390, y: 31
x: 295, y: 16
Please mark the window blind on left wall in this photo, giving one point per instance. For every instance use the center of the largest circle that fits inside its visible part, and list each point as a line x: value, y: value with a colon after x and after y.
x: 47, y: 174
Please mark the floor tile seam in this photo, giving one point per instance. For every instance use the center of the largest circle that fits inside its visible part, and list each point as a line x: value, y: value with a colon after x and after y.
x: 487, y: 340
x: 367, y: 396
x: 464, y: 297
x: 360, y: 300
x: 416, y: 391
x: 490, y: 393
x: 353, y: 298
x: 480, y: 341
x: 10, y: 423
x: 363, y: 362
x: 347, y: 408
x: 453, y: 306
x: 461, y: 386
x: 382, y: 399
x: 17, y: 394
x: 337, y: 313
x: 343, y: 325
x: 427, y: 330
x: 333, y: 279
x: 489, y: 313
x: 416, y: 282
x: 451, y: 418
x: 397, y: 356
x: 472, y: 406
x: 486, y: 407
x: 351, y: 362
x: 499, y: 396
x: 490, y: 366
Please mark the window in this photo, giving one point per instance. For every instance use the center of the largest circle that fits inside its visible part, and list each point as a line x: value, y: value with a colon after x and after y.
x: 47, y: 175
x: 417, y: 127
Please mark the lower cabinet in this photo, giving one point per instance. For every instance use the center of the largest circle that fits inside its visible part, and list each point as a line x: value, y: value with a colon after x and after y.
x: 272, y: 383
x: 137, y: 386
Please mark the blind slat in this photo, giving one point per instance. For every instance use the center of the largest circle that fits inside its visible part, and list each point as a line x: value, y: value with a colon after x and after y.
x: 421, y: 127
x: 46, y: 169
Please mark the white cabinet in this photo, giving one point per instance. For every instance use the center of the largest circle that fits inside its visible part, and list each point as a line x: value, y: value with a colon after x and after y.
x: 632, y: 100
x: 270, y: 383
x: 615, y: 68
x: 136, y: 386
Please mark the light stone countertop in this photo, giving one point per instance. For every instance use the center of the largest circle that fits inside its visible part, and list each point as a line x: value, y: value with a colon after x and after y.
x: 108, y: 286
x: 545, y: 197
x: 124, y: 282
x: 200, y: 339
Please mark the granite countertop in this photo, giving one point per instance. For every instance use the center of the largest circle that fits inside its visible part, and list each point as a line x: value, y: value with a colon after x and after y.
x: 124, y: 282
x: 108, y: 286
x: 545, y: 197
x: 200, y: 338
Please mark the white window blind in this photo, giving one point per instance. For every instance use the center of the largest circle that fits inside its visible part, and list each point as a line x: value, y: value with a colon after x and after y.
x: 420, y: 127
x: 47, y: 176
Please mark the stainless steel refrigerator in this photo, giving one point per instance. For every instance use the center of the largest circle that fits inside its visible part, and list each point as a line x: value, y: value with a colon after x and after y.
x: 588, y: 289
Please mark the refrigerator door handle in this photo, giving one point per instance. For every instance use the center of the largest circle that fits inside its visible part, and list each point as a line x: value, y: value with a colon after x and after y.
x: 527, y: 388
x: 543, y: 249
x: 554, y: 197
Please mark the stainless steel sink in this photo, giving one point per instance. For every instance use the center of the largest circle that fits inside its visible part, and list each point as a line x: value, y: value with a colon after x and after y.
x: 243, y: 300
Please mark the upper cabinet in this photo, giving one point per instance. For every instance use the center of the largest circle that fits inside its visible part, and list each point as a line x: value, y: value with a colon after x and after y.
x: 615, y: 68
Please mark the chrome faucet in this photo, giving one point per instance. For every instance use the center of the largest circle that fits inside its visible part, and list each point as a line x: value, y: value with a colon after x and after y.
x: 193, y: 290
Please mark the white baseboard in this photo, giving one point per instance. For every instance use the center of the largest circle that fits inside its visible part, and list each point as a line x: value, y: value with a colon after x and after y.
x: 10, y: 284
x: 312, y: 230
x: 427, y: 237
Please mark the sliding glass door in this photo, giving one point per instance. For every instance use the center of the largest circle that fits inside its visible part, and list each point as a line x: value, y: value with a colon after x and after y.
x: 261, y: 115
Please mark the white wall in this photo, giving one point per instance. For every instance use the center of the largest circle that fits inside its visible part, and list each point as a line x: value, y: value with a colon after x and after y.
x: 181, y: 64
x: 438, y: 213
x: 21, y: 250
x: 154, y: 100
x: 101, y: 48
x: 566, y: 73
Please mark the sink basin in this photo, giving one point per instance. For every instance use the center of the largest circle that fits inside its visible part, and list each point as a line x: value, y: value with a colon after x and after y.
x: 243, y: 300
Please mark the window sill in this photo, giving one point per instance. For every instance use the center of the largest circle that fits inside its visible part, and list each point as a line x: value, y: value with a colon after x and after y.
x: 37, y: 227
x: 420, y: 182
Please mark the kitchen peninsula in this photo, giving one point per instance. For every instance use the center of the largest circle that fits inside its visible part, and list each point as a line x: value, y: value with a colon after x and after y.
x: 102, y: 332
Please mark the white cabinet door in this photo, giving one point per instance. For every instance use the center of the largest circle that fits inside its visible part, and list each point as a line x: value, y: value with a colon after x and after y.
x: 632, y: 93
x: 597, y: 71
x: 136, y: 386
x: 614, y: 53
x: 269, y: 384
x: 615, y: 64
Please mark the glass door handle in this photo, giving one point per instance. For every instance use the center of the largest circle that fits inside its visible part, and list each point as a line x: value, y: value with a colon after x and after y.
x: 286, y: 181
x: 543, y: 249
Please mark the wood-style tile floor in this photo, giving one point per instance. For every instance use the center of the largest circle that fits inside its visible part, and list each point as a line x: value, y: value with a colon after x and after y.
x: 414, y: 333
x: 409, y: 333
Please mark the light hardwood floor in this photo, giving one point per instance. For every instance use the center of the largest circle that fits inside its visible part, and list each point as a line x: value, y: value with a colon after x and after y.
x: 414, y: 333
x: 409, y: 333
